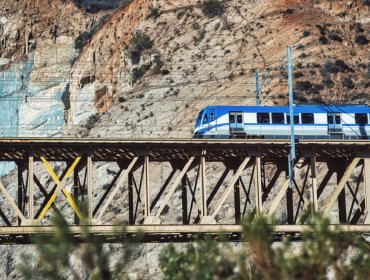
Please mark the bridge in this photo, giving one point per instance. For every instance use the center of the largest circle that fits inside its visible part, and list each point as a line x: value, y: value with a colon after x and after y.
x: 174, y: 189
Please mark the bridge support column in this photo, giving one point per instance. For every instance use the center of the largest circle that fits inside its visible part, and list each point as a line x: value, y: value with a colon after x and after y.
x: 147, y: 219
x: 21, y: 197
x: 30, y: 187
x: 367, y: 189
x: 184, y: 197
x: 314, y: 201
x: 75, y: 192
x: 131, y: 219
x: 237, y: 201
x: 89, y: 188
x: 342, y: 210
x: 258, y: 185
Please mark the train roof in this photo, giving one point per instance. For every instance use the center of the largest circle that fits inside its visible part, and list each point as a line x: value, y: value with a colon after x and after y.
x: 319, y: 108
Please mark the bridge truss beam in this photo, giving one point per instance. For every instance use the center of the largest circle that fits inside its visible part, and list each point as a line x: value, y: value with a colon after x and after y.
x: 214, y: 184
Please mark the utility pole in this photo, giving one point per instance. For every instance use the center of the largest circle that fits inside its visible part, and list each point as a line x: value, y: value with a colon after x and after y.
x: 258, y: 102
x: 291, y: 157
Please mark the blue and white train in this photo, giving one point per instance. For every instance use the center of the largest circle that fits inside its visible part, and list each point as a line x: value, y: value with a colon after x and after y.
x: 273, y: 122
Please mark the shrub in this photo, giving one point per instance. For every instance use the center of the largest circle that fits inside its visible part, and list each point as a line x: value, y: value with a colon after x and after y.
x: 212, y: 8
x: 141, y: 41
x: 361, y: 40
x: 139, y: 72
x: 348, y: 83
x: 331, y: 67
x: 121, y: 99
x: 321, y: 250
x: 323, y: 40
x: 298, y: 75
x: 335, y: 37
x: 158, y: 63
x: 306, y: 33
x: 154, y: 12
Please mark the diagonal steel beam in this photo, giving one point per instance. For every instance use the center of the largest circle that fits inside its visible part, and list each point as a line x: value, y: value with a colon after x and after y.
x: 60, y: 186
x: 230, y: 187
x: 340, y: 186
x: 12, y: 203
x: 173, y: 187
x: 116, y: 188
x: 278, y: 198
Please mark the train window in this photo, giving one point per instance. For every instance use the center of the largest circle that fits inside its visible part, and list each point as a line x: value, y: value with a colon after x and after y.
x: 296, y: 119
x: 277, y: 117
x: 232, y: 117
x: 199, y: 118
x: 361, y: 119
x: 212, y: 116
x: 337, y: 119
x: 205, y: 120
x: 239, y: 118
x: 330, y: 118
x: 263, y: 118
x: 307, y: 118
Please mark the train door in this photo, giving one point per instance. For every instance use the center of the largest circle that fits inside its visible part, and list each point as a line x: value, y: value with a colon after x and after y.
x: 236, y: 123
x: 334, y: 123
x: 212, y: 125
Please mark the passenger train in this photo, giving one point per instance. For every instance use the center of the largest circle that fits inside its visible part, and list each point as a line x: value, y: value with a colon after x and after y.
x: 273, y: 122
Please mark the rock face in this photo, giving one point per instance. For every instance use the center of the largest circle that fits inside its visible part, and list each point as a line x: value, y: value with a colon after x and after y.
x: 68, y: 68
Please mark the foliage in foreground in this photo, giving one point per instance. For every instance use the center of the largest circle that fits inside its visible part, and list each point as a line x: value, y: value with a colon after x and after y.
x: 321, y: 253
x: 324, y: 253
x: 62, y: 257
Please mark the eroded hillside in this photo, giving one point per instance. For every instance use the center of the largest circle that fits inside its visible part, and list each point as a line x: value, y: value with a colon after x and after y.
x: 198, y: 60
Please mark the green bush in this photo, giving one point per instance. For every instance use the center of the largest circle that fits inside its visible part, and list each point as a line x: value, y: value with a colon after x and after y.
x: 322, y: 250
x: 139, y: 72
x: 212, y: 8
x: 154, y: 12
x: 141, y: 41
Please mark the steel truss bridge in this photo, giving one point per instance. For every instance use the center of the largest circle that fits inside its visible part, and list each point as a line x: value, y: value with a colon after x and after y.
x: 202, y: 181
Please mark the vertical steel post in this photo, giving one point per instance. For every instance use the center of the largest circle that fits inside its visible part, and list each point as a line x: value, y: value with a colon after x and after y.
x: 20, y: 190
x: 89, y: 188
x: 237, y: 200
x: 367, y: 189
x: 30, y: 188
x: 184, y: 197
x: 203, y: 192
x: 291, y: 113
x: 314, y: 184
x: 75, y: 192
x: 146, y: 188
x: 258, y: 102
x: 131, y: 215
x: 258, y: 184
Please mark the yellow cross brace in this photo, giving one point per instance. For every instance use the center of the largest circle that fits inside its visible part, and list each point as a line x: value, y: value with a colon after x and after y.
x: 60, y: 186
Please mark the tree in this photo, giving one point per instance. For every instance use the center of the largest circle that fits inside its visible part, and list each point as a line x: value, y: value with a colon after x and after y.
x: 322, y: 251
x: 58, y: 257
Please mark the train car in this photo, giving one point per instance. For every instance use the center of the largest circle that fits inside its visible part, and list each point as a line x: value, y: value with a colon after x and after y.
x: 273, y: 122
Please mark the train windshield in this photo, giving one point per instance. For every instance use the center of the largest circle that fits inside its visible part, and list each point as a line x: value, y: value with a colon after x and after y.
x: 199, y: 118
